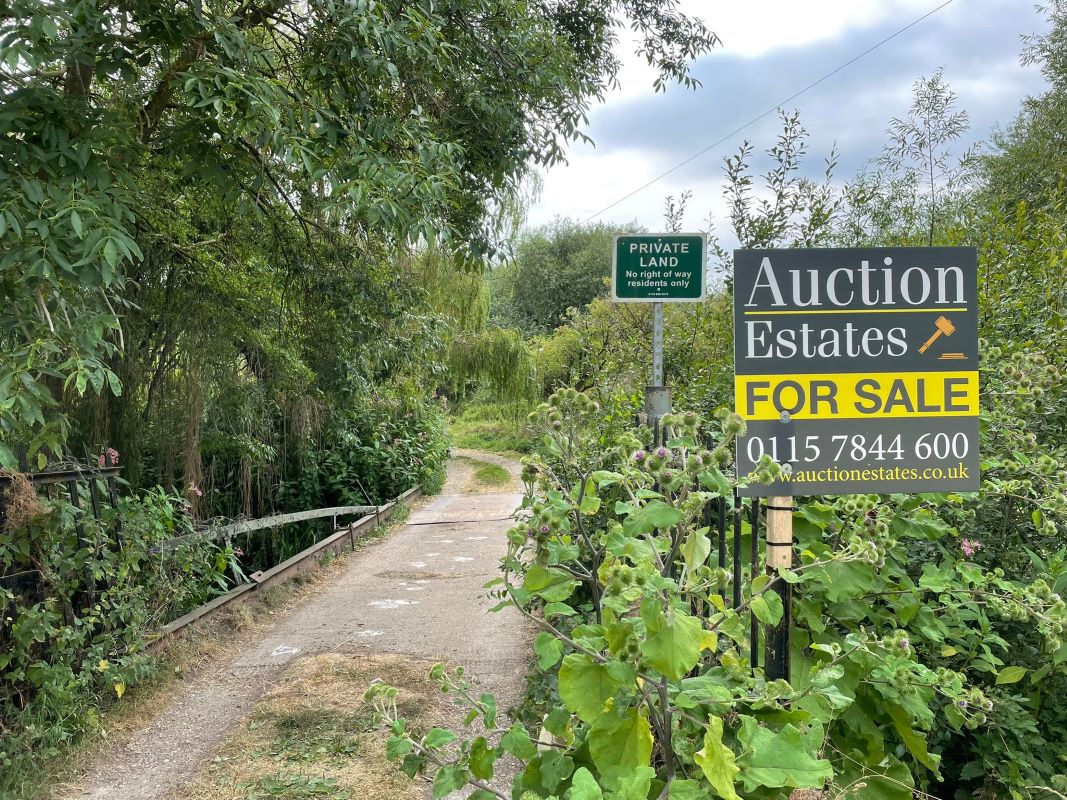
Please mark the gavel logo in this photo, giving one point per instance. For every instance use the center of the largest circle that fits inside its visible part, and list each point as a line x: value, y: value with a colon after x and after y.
x: 944, y: 326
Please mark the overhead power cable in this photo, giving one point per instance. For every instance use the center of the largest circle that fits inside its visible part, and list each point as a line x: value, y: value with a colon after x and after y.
x: 771, y: 110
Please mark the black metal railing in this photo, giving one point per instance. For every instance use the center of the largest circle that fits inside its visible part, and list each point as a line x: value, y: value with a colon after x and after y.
x: 95, y: 484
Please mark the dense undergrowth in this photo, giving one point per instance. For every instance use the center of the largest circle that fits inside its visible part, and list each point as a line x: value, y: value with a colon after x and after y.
x: 491, y: 426
x: 928, y: 654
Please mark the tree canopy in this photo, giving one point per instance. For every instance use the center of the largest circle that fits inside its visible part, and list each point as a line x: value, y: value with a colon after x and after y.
x: 137, y: 135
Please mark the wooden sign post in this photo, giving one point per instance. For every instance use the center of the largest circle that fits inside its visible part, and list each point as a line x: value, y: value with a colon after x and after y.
x: 779, y: 556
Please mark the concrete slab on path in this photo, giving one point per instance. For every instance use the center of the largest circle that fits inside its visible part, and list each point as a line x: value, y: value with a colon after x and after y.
x: 420, y: 594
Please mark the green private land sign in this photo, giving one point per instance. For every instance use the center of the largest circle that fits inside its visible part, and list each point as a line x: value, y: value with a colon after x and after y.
x: 659, y: 268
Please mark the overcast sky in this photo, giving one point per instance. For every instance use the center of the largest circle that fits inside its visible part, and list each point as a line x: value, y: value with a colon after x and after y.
x: 770, y: 50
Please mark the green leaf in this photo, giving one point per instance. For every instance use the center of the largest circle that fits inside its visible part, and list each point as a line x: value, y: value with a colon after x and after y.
x: 686, y: 790
x: 717, y: 762
x: 559, y: 610
x: 397, y: 746
x: 654, y: 515
x: 553, y: 585
x: 549, y: 650
x: 620, y: 743
x: 1010, y: 675
x: 517, y: 742
x: 788, y: 575
x: 555, y: 768
x: 411, y: 764
x: 438, y: 737
x: 590, y: 505
x: 584, y: 787
x: 111, y: 253
x: 768, y: 608
x: 585, y: 686
x: 714, y: 481
x: 447, y: 780
x: 482, y: 759
x: 695, y: 550
x: 634, y: 785
x: 913, y: 740
x: 783, y: 759
x: 674, y: 643
x: 605, y: 478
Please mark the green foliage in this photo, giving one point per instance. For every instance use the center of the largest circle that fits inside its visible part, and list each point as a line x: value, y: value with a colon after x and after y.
x: 497, y: 360
x: 292, y: 787
x: 373, y: 453
x: 216, y: 161
x: 903, y: 653
x: 562, y: 265
x: 81, y: 646
x: 498, y: 428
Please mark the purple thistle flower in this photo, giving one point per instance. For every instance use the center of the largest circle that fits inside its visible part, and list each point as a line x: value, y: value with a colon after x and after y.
x: 639, y: 456
x: 662, y: 452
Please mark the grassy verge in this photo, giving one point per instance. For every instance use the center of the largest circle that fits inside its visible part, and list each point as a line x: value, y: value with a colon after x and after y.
x: 491, y: 475
x: 484, y: 477
x: 314, y: 735
x: 203, y: 646
x: 484, y: 426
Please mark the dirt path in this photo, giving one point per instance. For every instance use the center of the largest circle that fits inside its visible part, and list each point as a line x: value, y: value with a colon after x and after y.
x: 417, y: 593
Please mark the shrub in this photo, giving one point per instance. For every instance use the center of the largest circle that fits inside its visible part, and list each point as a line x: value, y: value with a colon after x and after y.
x: 82, y: 644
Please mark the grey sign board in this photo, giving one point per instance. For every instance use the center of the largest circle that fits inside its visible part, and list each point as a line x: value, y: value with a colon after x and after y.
x: 857, y: 369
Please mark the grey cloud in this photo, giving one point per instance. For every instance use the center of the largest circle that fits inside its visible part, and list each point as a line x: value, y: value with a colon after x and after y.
x: 977, y: 43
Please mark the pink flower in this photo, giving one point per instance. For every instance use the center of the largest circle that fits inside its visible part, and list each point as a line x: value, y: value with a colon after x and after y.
x: 970, y: 547
x: 195, y: 490
x: 102, y: 460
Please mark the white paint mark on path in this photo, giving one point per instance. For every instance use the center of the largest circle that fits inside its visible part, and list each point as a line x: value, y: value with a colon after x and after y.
x: 388, y: 604
x: 369, y: 633
x: 285, y: 650
x: 475, y: 538
x: 462, y: 558
x: 418, y: 564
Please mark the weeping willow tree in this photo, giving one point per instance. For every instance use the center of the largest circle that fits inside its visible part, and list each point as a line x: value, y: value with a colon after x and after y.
x: 497, y: 360
x: 460, y: 297
x: 480, y: 357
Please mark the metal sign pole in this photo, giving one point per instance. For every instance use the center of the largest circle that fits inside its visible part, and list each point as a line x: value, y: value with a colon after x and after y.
x: 659, y: 268
x: 657, y: 396
x: 657, y: 344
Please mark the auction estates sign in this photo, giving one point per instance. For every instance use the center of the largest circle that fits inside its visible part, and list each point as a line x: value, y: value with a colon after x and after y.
x: 857, y: 369
x: 659, y: 268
